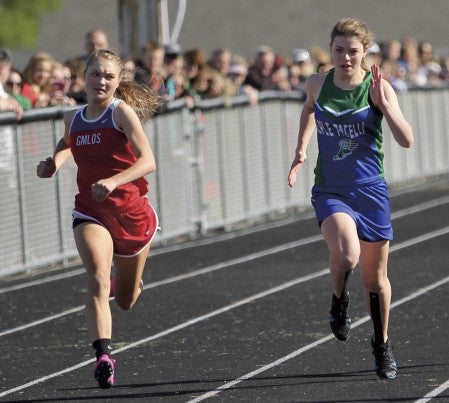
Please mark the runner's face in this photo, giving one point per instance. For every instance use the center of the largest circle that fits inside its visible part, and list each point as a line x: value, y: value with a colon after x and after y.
x: 347, y: 53
x: 102, y: 79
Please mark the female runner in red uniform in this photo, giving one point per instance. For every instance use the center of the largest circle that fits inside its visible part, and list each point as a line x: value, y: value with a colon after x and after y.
x: 113, y: 221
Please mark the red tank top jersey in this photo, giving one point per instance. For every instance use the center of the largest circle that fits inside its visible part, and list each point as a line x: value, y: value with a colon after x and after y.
x: 100, y: 150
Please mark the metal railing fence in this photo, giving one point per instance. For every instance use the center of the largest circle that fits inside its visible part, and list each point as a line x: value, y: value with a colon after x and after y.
x: 223, y: 163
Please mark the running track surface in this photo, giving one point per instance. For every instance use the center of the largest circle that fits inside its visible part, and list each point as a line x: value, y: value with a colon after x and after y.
x: 241, y: 317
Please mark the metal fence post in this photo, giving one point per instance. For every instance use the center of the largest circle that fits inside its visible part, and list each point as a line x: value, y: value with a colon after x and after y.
x: 22, y: 193
x: 198, y: 169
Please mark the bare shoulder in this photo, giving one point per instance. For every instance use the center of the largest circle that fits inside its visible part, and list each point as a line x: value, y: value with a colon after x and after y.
x: 68, y: 116
x: 125, y: 115
x: 317, y: 78
x: 123, y: 109
x: 387, y: 86
x: 314, y: 84
x: 388, y: 89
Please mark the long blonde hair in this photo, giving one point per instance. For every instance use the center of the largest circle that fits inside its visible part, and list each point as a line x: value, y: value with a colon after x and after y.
x: 137, y: 95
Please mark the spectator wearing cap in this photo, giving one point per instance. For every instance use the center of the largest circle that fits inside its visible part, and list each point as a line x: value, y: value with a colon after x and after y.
x: 172, y: 51
x: 302, y: 57
x: 300, y: 69
x: 174, y: 66
x: 260, y: 73
x: 373, y: 56
x: 237, y: 74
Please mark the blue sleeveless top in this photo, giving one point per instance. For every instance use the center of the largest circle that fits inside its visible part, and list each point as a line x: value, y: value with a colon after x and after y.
x: 349, y: 130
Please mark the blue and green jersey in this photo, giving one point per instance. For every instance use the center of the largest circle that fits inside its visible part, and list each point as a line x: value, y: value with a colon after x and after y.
x: 349, y: 131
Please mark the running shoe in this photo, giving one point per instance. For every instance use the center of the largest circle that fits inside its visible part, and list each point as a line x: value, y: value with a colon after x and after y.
x: 104, y: 371
x: 386, y: 366
x: 339, y: 318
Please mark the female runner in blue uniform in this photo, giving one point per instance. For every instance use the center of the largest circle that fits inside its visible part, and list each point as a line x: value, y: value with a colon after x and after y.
x: 350, y: 195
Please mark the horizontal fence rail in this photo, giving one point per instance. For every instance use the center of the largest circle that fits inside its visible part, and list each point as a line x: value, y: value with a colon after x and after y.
x: 223, y: 163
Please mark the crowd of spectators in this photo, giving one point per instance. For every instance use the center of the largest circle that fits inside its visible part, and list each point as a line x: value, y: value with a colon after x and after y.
x: 192, y: 75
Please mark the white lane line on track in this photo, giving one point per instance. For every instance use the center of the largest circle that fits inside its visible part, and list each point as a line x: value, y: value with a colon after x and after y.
x: 294, y: 354
x: 434, y: 393
x: 177, y: 327
x: 41, y: 321
x: 227, y: 264
x: 218, y: 266
x: 164, y: 250
x: 398, y: 214
x: 240, y: 303
x: 42, y: 281
x: 420, y: 207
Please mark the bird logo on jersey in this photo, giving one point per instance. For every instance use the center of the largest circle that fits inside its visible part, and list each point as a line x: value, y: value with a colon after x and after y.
x: 347, y: 146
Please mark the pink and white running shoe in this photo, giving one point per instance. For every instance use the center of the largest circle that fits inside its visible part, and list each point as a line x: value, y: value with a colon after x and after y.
x: 104, y: 371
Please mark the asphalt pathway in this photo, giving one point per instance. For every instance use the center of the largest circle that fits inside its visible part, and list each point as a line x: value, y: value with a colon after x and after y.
x: 241, y: 317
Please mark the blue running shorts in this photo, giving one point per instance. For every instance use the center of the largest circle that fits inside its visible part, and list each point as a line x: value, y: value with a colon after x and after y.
x: 368, y: 205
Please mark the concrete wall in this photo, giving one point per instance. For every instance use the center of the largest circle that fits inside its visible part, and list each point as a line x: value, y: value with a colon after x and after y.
x: 243, y: 25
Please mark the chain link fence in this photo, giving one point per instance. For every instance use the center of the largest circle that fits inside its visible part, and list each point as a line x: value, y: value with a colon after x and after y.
x: 223, y: 163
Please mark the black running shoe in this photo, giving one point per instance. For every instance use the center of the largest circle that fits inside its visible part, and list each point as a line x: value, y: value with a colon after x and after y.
x: 339, y: 318
x: 386, y: 366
